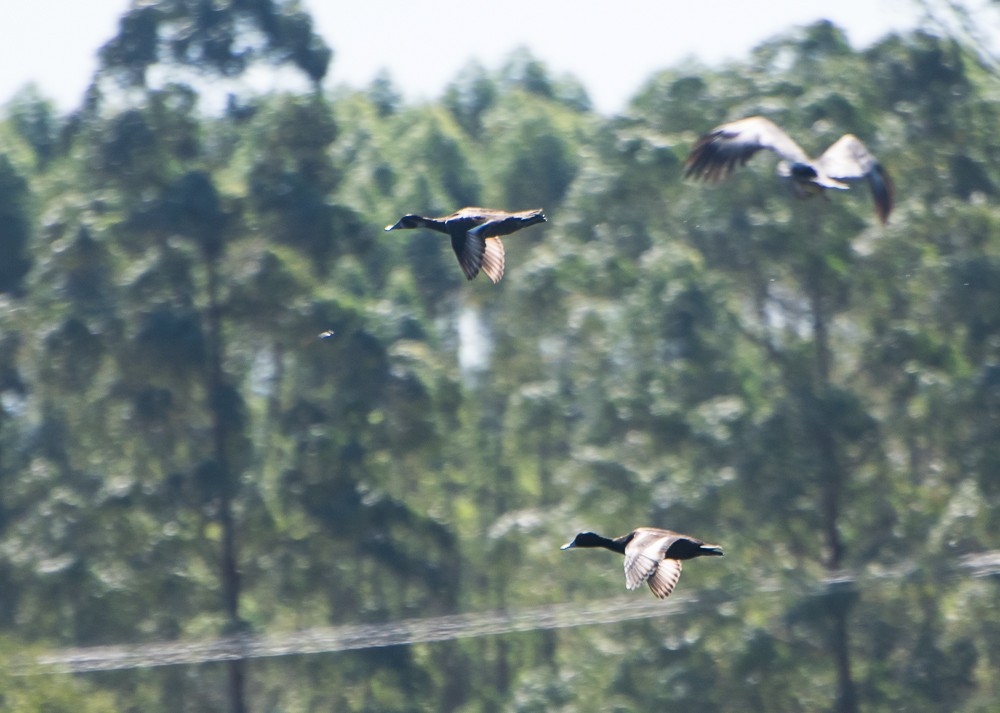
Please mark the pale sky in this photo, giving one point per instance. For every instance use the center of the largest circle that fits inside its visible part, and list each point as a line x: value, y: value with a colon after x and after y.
x: 612, y: 47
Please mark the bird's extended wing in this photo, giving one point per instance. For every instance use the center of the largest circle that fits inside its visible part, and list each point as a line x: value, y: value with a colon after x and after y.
x: 638, y: 568
x: 469, y: 252
x: 848, y: 159
x: 726, y: 147
x: 475, y: 252
x: 493, y: 259
x: 644, y: 554
x: 664, y: 579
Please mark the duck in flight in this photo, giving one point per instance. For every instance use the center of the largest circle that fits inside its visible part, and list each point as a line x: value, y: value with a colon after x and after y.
x: 652, y: 555
x: 724, y: 148
x: 475, y: 235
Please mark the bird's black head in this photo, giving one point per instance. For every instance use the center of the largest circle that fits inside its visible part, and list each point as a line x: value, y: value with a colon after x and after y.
x: 803, y: 171
x: 407, y: 222
x: 585, y: 539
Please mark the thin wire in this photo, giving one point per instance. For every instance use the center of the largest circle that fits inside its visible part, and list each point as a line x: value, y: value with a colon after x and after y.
x: 415, y: 631
x: 353, y: 636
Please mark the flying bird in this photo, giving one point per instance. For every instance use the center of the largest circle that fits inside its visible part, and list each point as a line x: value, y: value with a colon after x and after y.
x: 652, y: 555
x: 724, y: 148
x: 475, y: 235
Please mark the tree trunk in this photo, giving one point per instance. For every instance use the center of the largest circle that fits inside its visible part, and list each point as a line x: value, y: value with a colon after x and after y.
x: 832, y: 480
x: 229, y: 571
x: 847, y: 697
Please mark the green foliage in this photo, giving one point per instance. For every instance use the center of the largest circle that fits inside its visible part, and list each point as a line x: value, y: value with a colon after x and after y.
x: 45, y: 692
x: 15, y: 227
x: 181, y: 457
x: 213, y: 37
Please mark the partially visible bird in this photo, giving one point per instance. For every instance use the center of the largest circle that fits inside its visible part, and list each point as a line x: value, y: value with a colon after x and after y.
x: 725, y: 147
x: 475, y: 235
x: 652, y: 555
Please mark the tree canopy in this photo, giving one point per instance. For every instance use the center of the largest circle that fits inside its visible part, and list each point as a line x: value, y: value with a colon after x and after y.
x: 181, y: 458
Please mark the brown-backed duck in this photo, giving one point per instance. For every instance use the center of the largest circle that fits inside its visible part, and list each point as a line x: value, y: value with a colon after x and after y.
x: 475, y: 235
x: 652, y: 555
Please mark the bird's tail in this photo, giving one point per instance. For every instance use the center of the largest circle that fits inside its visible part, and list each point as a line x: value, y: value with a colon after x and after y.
x: 530, y: 217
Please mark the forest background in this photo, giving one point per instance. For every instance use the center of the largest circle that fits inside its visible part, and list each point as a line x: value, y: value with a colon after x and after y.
x: 181, y: 458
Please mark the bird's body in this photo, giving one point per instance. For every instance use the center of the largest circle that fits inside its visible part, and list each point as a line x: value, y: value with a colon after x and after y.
x: 652, y: 555
x: 475, y: 235
x: 724, y: 148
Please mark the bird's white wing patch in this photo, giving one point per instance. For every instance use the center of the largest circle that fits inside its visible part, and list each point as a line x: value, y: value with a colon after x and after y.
x: 764, y: 134
x: 493, y: 259
x: 664, y: 579
x: 847, y: 158
x: 638, y: 568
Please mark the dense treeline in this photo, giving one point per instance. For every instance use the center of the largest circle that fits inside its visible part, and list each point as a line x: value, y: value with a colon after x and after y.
x: 182, y: 458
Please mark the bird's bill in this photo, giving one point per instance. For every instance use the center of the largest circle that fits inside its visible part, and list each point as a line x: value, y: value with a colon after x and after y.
x: 712, y: 550
x: 568, y: 546
x: 392, y: 227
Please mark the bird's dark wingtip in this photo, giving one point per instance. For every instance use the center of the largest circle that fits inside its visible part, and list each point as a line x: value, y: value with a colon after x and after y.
x: 883, y: 192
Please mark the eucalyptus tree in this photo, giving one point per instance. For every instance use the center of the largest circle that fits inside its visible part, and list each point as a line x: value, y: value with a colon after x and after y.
x: 149, y: 329
x: 814, y: 290
x: 182, y: 456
